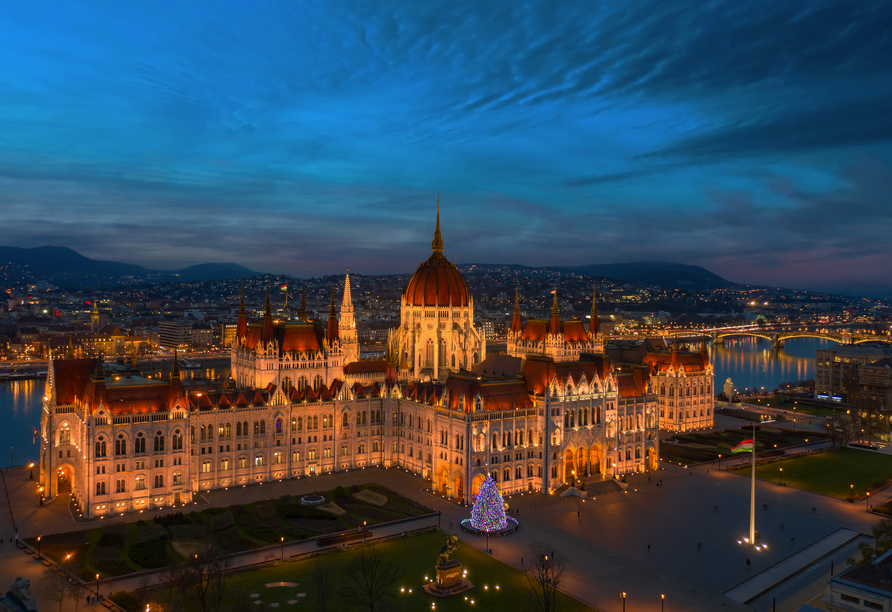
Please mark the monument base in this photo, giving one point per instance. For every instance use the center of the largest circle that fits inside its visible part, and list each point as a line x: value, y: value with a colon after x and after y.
x: 449, y: 581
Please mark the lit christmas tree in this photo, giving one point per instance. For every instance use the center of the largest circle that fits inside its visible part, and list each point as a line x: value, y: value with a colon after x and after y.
x: 488, y: 513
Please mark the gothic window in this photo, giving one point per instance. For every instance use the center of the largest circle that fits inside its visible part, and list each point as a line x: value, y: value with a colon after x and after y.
x: 361, y: 449
x: 177, y: 440
x: 326, y: 453
x: 177, y: 479
x: 453, y: 361
x: 637, y: 453
x: 159, y: 481
x: 242, y: 462
x: 262, y: 427
x: 159, y: 442
x: 256, y: 428
x: 100, y: 488
x: 628, y: 454
x: 315, y: 422
x: 120, y: 445
x: 478, y: 403
x: 474, y: 362
x: 495, y: 476
x: 224, y: 465
x: 277, y: 458
x: 139, y: 443
x: 278, y: 427
x: 258, y: 460
x: 507, y: 474
x: 100, y: 447
x: 375, y: 446
x: 363, y: 417
x: 205, y: 467
x: 518, y: 473
x: 495, y: 441
x: 140, y: 483
x: 120, y: 487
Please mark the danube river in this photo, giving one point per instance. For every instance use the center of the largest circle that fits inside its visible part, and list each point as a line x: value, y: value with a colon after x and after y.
x: 749, y: 362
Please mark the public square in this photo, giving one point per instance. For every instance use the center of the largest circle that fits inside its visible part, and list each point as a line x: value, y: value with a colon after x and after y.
x: 677, y: 540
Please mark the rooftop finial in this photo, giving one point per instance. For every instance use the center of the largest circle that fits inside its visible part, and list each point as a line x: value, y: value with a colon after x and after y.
x: 437, y: 244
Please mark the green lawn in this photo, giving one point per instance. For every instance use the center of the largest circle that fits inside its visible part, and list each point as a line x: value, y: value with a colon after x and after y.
x: 832, y: 472
x: 117, y: 549
x: 499, y: 586
x: 796, y: 405
x: 697, y: 447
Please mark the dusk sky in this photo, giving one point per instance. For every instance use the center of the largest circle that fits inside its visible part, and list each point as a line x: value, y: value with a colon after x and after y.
x: 751, y: 138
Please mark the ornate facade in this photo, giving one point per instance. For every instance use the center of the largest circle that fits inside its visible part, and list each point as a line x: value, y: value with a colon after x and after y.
x: 299, y: 403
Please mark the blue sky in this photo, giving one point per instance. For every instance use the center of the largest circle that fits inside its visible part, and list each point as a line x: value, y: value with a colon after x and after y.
x: 752, y: 138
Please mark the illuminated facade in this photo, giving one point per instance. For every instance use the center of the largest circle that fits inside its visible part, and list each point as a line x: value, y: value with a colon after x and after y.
x: 298, y: 403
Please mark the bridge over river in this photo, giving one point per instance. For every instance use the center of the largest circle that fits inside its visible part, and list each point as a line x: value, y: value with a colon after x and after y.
x: 777, y: 338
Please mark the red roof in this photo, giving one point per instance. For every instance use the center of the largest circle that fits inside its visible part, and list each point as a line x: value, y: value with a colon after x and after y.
x: 537, y: 329
x: 70, y: 377
x: 689, y: 362
x: 437, y: 283
x: 368, y: 366
x: 539, y: 371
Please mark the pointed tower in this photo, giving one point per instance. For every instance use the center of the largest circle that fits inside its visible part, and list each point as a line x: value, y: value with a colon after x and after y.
x: 302, y: 315
x: 241, y: 329
x: 94, y: 318
x: 554, y: 326
x: 594, y: 325
x: 267, y: 334
x: 516, y: 326
x: 176, y: 385
x: 331, y: 331
x: 347, y: 326
x: 437, y: 242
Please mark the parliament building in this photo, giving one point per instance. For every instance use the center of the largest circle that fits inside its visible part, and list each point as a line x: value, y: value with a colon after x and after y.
x: 300, y: 402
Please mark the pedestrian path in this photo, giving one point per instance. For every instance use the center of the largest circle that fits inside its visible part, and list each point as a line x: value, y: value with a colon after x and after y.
x: 774, y: 575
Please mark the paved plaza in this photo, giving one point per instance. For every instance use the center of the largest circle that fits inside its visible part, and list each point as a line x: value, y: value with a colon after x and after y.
x: 691, y: 522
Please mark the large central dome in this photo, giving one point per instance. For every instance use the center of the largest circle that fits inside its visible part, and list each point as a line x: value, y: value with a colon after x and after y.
x: 437, y: 282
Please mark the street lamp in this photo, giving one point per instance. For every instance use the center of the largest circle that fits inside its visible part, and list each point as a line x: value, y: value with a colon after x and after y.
x: 97, y: 586
x: 662, y: 602
x: 31, y: 467
x: 851, y: 493
x: 867, y: 501
x: 624, y: 601
x: 364, y: 531
x: 781, y: 476
x: 283, y: 548
x: 720, y: 462
x: 38, y: 548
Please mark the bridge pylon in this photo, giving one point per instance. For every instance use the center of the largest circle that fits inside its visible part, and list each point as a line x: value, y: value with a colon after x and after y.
x: 776, y: 340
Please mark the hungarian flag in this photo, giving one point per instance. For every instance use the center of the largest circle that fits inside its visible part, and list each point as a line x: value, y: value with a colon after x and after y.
x: 284, y: 287
x: 744, y: 447
x: 34, y: 439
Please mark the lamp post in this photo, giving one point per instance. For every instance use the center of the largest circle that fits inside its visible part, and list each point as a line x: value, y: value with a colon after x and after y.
x: 851, y: 493
x: 364, y: 531
x: 38, y: 548
x: 31, y: 467
x: 283, y: 548
x: 662, y: 602
x: 867, y: 501
x: 781, y: 477
x: 623, y: 595
x: 97, y: 586
x: 720, y: 462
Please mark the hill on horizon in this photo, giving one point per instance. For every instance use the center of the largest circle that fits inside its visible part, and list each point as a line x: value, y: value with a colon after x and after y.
x: 62, y: 265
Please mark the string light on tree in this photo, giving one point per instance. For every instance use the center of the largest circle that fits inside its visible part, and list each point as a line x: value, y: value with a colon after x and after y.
x: 488, y: 514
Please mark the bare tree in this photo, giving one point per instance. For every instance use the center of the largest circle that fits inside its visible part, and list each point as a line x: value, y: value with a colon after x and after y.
x: 544, y: 574
x: 371, y: 580
x: 171, y: 578
x: 54, y: 586
x: 206, y: 574
x: 324, y: 583
x: 76, y: 591
x: 842, y: 428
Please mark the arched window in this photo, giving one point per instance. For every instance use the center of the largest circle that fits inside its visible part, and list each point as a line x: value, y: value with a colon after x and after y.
x: 205, y: 467
x: 529, y: 471
x: 140, y: 483
x: 361, y: 449
x: 159, y: 481
x: 475, y: 359
x: 277, y: 458
x: 224, y: 464
x: 210, y: 432
x: 293, y: 424
x: 238, y: 429
x: 374, y: 446
x: 327, y: 452
x: 120, y: 445
x: 177, y: 440
x: 262, y: 427
x: 315, y: 422
x: 177, y: 479
x: 228, y: 430
x: 120, y: 486
x: 256, y: 428
x: 363, y: 417
x: 518, y: 473
x: 100, y: 447
x: 278, y: 427
x: 453, y: 361
x: 495, y: 441
x: 345, y: 420
x: 159, y: 442
x: 300, y: 423
x: 628, y: 454
x: 242, y: 462
x: 100, y: 488
x: 344, y: 450
x: 507, y: 474
x: 245, y: 428
x: 495, y: 475
x: 258, y: 461
x: 637, y: 453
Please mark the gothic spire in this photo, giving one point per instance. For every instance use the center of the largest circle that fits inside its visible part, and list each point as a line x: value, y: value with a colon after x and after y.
x: 437, y: 244
x: 555, y: 325
x: 594, y: 324
x: 269, y: 311
x: 348, y: 298
x: 302, y: 315
x: 241, y: 308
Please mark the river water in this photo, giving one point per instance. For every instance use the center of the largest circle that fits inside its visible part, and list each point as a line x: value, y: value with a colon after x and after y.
x: 749, y: 362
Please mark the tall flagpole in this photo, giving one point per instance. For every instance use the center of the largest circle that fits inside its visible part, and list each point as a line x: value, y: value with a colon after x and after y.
x: 753, y: 493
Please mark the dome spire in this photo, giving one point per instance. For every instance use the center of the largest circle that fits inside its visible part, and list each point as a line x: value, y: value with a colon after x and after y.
x: 437, y: 244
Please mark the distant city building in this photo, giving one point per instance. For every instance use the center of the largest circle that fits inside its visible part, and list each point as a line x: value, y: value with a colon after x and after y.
x: 174, y: 334
x: 837, y: 369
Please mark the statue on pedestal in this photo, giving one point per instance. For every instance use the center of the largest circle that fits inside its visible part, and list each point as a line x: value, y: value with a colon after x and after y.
x: 18, y: 594
x: 450, y: 577
x: 448, y: 549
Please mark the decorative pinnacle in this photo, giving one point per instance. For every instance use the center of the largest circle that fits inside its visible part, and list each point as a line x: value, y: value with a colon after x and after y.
x: 437, y: 244
x: 594, y: 302
x: 516, y: 302
x: 269, y: 311
x: 241, y: 308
